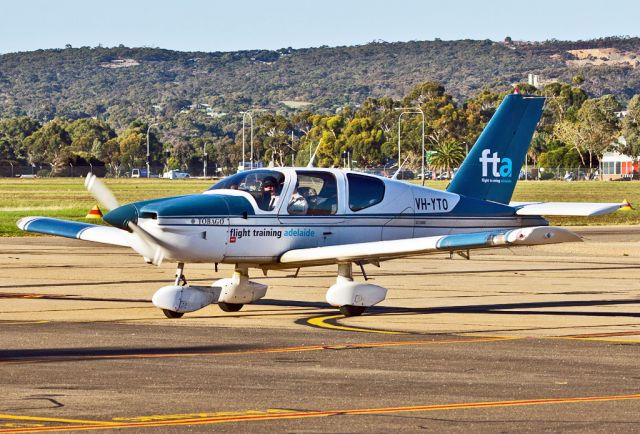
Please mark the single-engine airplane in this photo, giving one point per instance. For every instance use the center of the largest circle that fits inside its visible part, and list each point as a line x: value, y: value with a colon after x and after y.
x: 280, y: 218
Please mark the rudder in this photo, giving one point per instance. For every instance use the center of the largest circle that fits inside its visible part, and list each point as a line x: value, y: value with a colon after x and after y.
x: 491, y: 169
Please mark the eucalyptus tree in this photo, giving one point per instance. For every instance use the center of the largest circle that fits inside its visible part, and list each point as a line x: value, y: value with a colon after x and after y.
x: 631, y: 128
x: 595, y: 128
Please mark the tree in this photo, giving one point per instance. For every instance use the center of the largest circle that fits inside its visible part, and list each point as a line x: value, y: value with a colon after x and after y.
x: 133, y: 146
x: 180, y: 148
x: 50, y: 144
x: 109, y: 152
x: 596, y: 127
x: 274, y: 138
x: 13, y: 132
x: 364, y: 139
x: 87, y: 134
x: 631, y: 128
x: 448, y: 155
x: 563, y: 101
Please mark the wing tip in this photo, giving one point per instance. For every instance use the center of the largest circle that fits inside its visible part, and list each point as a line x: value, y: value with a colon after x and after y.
x: 24, y: 222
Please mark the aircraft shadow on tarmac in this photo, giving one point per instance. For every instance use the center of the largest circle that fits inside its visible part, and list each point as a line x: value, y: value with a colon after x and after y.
x: 499, y: 308
x: 69, y: 354
x: 510, y: 270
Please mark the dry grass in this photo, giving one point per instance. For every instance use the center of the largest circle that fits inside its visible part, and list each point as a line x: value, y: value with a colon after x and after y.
x: 66, y: 197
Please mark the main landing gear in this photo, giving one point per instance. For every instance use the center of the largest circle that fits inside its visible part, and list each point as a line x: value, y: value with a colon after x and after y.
x: 353, y: 298
x: 231, y: 294
x: 230, y: 307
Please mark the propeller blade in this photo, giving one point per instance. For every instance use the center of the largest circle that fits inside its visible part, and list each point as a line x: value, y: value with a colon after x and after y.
x: 146, y: 245
x: 100, y: 192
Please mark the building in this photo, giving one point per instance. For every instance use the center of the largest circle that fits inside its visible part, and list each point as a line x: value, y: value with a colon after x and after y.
x: 615, y: 165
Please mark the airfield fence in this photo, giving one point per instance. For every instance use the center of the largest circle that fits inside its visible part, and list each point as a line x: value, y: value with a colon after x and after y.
x: 531, y: 174
x: 14, y: 170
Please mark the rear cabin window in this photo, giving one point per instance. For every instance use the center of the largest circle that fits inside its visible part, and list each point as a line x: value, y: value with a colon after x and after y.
x: 364, y: 191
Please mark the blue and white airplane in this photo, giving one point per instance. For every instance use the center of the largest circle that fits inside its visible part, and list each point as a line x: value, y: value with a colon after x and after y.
x: 299, y: 217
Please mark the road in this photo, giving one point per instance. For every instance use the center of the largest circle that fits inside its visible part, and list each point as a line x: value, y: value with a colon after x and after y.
x: 540, y: 339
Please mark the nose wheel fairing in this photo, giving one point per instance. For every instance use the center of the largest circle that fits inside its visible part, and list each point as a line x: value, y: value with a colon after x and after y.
x: 230, y: 293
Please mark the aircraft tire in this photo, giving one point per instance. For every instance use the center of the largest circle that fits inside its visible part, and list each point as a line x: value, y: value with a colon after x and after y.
x: 230, y: 307
x: 350, y: 310
x: 172, y: 314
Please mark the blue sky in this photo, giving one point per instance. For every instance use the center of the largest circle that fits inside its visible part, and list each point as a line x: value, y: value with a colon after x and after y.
x: 191, y: 25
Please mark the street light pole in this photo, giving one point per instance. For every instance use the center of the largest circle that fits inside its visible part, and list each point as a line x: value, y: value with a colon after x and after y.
x: 204, y: 159
x: 243, y: 151
x: 413, y: 110
x: 148, y: 153
x: 399, y: 124
x: 247, y: 113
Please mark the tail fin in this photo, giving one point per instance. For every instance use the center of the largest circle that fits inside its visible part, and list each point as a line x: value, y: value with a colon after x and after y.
x: 491, y: 169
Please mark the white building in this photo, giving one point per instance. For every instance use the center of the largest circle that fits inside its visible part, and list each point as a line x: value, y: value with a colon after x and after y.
x: 616, y: 165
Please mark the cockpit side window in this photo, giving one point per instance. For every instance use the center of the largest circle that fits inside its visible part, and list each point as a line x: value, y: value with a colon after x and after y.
x: 319, y: 190
x: 265, y: 186
x: 364, y: 191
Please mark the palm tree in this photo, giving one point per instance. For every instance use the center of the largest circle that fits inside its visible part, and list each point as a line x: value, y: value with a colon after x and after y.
x: 448, y: 155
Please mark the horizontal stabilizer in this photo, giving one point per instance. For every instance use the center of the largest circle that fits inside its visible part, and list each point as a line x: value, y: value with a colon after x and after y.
x: 77, y: 230
x: 584, y: 209
x: 382, y: 250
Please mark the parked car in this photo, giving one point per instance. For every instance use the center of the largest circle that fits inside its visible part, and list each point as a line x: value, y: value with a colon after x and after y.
x: 175, y: 174
x: 139, y: 173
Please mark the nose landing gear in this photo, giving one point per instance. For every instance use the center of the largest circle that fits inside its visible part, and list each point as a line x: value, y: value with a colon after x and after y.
x: 231, y: 294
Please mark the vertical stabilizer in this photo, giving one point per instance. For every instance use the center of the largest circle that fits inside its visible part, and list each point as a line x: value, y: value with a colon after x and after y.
x: 491, y: 169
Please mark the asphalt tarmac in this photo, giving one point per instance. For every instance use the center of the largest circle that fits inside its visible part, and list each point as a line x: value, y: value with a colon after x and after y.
x: 534, y: 339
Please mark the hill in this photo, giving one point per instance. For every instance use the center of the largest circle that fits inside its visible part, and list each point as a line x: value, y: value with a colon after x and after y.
x: 121, y: 84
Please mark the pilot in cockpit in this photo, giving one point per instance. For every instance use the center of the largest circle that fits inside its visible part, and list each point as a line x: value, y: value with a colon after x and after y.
x: 269, y: 193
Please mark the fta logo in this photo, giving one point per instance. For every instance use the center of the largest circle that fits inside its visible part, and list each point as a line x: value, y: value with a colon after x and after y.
x: 500, y: 167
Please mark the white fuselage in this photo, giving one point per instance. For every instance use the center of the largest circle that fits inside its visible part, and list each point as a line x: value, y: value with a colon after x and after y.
x: 406, y: 211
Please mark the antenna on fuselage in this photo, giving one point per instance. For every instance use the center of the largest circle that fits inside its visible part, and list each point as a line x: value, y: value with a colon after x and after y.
x: 395, y: 175
x: 313, y: 157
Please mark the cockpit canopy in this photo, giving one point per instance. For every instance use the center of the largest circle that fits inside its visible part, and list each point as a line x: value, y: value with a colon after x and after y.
x: 315, y: 192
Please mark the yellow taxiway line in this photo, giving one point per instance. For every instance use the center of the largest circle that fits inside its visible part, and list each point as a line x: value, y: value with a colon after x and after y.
x: 2, y: 323
x: 321, y: 322
x: 51, y: 419
x: 287, y: 414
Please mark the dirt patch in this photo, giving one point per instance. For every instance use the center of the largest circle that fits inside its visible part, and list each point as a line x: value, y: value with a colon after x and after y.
x: 603, y: 56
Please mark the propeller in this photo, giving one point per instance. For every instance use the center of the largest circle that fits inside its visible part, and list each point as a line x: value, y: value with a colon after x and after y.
x: 141, y: 241
x: 100, y: 192
x: 146, y: 245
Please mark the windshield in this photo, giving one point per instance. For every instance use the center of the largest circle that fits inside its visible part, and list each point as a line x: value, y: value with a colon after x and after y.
x: 265, y: 186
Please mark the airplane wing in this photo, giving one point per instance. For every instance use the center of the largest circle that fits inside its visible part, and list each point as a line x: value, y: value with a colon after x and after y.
x: 584, y: 209
x: 77, y: 230
x: 383, y: 250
